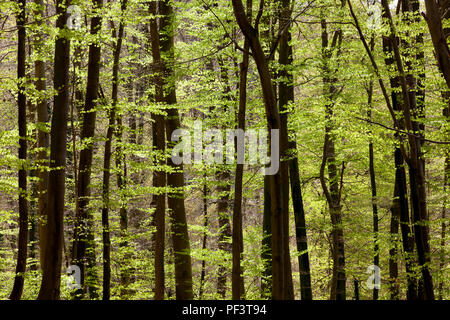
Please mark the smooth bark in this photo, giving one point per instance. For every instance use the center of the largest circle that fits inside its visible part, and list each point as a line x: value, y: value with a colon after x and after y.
x: 54, y: 235
x: 159, y: 176
x: 83, y: 253
x: 175, y: 180
x: 286, y: 96
x: 21, y: 264
x: 238, y: 242
x: 333, y: 191
x: 107, y: 160
x: 280, y: 285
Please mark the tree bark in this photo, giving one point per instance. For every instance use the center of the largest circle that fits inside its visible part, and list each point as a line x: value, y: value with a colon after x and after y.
x: 238, y: 242
x: 159, y: 176
x: 266, y: 250
x: 439, y: 39
x: 373, y: 185
x: 416, y: 170
x: 400, y: 201
x: 54, y: 233
x: 175, y: 180
x: 107, y: 160
x: 83, y: 253
x: 21, y: 265
x: 416, y: 93
x: 286, y: 96
x: 42, y: 135
x: 205, y: 237
x: 223, y: 190
x: 338, y: 290
x: 278, y: 212
x: 394, y: 285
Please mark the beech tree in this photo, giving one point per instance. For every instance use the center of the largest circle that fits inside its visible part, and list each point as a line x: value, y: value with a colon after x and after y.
x: 341, y: 191
x: 54, y: 230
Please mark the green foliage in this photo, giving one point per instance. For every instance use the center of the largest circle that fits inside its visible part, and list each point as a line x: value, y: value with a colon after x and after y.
x: 207, y: 58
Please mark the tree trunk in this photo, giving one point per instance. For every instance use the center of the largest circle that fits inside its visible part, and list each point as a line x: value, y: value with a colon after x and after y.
x: 416, y: 95
x: 159, y: 176
x: 441, y: 49
x: 356, y: 288
x: 54, y: 233
x: 394, y: 285
x: 400, y: 193
x: 416, y: 171
x: 266, y: 250
x: 338, y: 290
x: 223, y: 190
x: 205, y: 237
x: 42, y: 136
x: 107, y: 161
x: 21, y: 265
x: 278, y: 212
x: 238, y: 242
x: 286, y: 96
x: 376, y: 258
x: 373, y: 185
x: 121, y: 167
x: 175, y: 180
x: 83, y: 253
x: 442, y: 255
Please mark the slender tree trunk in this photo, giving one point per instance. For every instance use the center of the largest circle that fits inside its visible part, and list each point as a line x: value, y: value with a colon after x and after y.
x: 107, y: 161
x: 278, y: 212
x: 444, y: 9
x: 286, y: 96
x: 121, y: 167
x: 442, y: 255
x: 373, y: 185
x: 400, y: 192
x: 42, y: 135
x: 31, y: 158
x: 159, y: 142
x: 33, y: 224
x: 333, y: 194
x: 376, y: 249
x: 223, y: 191
x: 416, y: 98
x: 175, y: 180
x: 205, y: 236
x: 83, y: 253
x: 17, y: 290
x: 238, y: 242
x: 266, y: 250
x: 416, y: 170
x: 438, y: 37
x: 54, y: 235
x: 356, y: 288
x: 394, y: 285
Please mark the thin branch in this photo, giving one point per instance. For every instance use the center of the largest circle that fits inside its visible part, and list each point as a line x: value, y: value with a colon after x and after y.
x: 259, y: 15
x: 374, y: 65
x: 403, y: 132
x: 208, y: 7
x: 220, y: 48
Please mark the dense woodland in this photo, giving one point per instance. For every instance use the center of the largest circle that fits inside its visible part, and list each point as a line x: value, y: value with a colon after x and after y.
x: 94, y: 206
